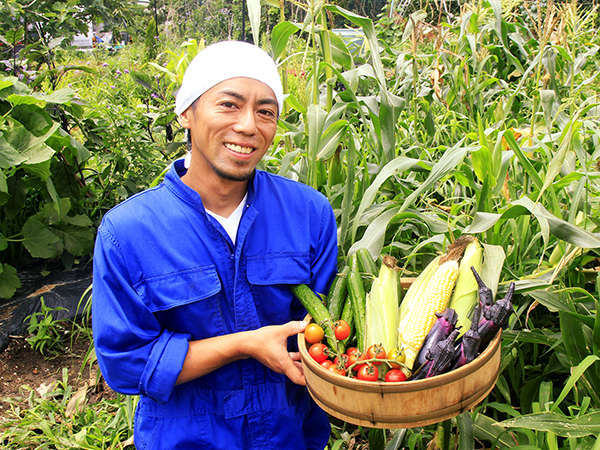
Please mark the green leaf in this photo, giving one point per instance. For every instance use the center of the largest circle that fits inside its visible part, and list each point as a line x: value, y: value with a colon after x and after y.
x: 392, y: 168
x: 254, y: 16
x: 9, y: 157
x: 31, y: 147
x: 583, y: 425
x: 465, y: 431
x: 78, y: 241
x: 330, y: 139
x: 39, y: 240
x: 491, y: 269
x: 490, y: 430
x: 3, y: 184
x: 80, y: 220
x: 548, y: 222
x: 9, y: 281
x: 280, y: 36
x: 451, y: 158
x: 576, y: 373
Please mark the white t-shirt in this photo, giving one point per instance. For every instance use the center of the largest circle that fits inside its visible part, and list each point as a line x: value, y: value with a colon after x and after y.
x: 232, y: 222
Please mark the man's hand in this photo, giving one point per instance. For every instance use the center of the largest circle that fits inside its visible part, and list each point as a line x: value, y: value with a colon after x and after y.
x: 269, y: 346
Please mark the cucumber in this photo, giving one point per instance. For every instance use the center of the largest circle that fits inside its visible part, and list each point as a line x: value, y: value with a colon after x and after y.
x: 356, y: 293
x: 337, y: 294
x: 366, y: 262
x: 348, y: 316
x: 317, y: 311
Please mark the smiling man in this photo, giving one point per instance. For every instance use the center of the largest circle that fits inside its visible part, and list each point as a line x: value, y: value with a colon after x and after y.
x: 191, y: 302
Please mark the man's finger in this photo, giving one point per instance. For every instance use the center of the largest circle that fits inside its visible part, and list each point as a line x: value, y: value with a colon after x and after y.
x: 295, y: 356
x: 295, y: 327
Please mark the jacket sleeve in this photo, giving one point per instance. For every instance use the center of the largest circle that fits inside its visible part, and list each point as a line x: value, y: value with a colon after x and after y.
x: 135, y: 354
x: 324, y: 264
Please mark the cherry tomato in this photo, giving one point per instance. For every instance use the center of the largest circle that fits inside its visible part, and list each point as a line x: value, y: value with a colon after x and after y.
x: 345, y: 361
x: 318, y: 351
x: 376, y: 351
x: 368, y: 372
x: 396, y: 358
x: 313, y: 333
x: 352, y: 358
x: 335, y: 369
x: 352, y: 351
x: 341, y: 329
x: 394, y: 375
x: 327, y: 363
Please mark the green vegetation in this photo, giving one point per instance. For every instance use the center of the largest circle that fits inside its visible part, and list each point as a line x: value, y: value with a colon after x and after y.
x: 486, y: 123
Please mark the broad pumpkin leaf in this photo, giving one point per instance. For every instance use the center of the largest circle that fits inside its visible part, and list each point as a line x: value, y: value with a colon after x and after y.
x: 9, y: 157
x: 31, y: 147
x: 9, y: 281
x: 3, y: 243
x: 78, y: 241
x: 39, y: 240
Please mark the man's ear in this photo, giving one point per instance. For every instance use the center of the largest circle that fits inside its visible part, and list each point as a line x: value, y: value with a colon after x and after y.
x: 184, y: 118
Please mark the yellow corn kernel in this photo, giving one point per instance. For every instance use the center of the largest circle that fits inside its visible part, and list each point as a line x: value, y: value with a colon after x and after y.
x: 418, y: 321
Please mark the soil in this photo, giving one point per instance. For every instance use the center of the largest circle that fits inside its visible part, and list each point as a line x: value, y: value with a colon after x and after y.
x: 21, y: 366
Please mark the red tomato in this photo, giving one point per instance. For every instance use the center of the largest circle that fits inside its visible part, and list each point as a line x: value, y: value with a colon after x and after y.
x: 341, y: 329
x: 335, y: 369
x: 354, y: 357
x: 395, y: 375
x: 318, y: 351
x: 368, y: 372
x: 376, y: 351
x: 345, y: 361
x: 352, y: 351
x: 327, y: 363
x: 313, y: 333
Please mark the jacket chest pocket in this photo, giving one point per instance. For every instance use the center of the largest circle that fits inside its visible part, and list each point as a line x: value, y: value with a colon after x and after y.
x: 270, y: 278
x: 189, y: 301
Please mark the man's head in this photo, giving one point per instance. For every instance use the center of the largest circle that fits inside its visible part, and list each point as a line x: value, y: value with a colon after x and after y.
x: 224, y: 60
x: 230, y: 99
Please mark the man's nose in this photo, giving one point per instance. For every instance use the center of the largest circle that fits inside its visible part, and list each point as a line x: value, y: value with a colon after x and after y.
x: 246, y: 122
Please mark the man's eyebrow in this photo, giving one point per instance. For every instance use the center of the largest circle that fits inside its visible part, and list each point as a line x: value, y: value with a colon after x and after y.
x: 262, y: 101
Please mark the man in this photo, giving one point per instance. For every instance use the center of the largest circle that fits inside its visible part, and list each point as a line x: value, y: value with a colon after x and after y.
x: 191, y: 302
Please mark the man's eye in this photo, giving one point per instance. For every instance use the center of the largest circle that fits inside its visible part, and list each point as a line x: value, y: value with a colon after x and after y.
x: 267, y: 112
x: 228, y: 104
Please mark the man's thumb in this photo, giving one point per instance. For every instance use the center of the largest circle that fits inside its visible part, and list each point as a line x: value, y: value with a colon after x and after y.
x: 296, y: 326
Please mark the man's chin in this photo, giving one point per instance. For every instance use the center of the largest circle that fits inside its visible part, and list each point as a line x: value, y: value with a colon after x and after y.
x: 234, y: 176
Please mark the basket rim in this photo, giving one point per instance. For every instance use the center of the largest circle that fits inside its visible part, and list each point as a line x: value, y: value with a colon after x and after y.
x: 398, y: 386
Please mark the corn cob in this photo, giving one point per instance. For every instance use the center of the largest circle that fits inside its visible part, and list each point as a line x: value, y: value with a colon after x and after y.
x: 418, y: 321
x: 381, y: 312
x: 464, y: 297
x: 415, y: 292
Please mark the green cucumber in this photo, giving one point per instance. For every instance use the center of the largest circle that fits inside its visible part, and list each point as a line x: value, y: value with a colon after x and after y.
x: 337, y: 294
x: 357, y: 297
x: 348, y: 316
x: 317, y: 311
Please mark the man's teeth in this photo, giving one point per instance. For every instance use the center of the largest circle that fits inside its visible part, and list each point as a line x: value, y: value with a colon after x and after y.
x: 239, y: 148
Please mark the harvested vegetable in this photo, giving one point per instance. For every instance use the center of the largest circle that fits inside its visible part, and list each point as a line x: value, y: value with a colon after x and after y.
x: 464, y: 297
x: 381, y: 315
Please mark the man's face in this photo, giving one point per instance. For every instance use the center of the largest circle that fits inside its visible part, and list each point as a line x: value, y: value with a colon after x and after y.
x: 232, y: 126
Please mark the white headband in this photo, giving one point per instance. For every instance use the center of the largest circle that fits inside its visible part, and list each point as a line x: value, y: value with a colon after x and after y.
x: 222, y: 61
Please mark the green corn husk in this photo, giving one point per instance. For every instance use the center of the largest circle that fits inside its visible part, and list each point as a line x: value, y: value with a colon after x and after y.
x: 464, y: 297
x: 381, y: 316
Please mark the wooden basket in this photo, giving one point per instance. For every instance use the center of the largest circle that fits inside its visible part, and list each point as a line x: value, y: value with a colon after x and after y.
x: 404, y: 404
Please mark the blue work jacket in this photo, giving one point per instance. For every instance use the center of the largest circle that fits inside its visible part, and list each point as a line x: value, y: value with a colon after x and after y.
x: 166, y: 272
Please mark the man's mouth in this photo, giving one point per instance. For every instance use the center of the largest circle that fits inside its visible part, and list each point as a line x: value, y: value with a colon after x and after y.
x: 239, y: 149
